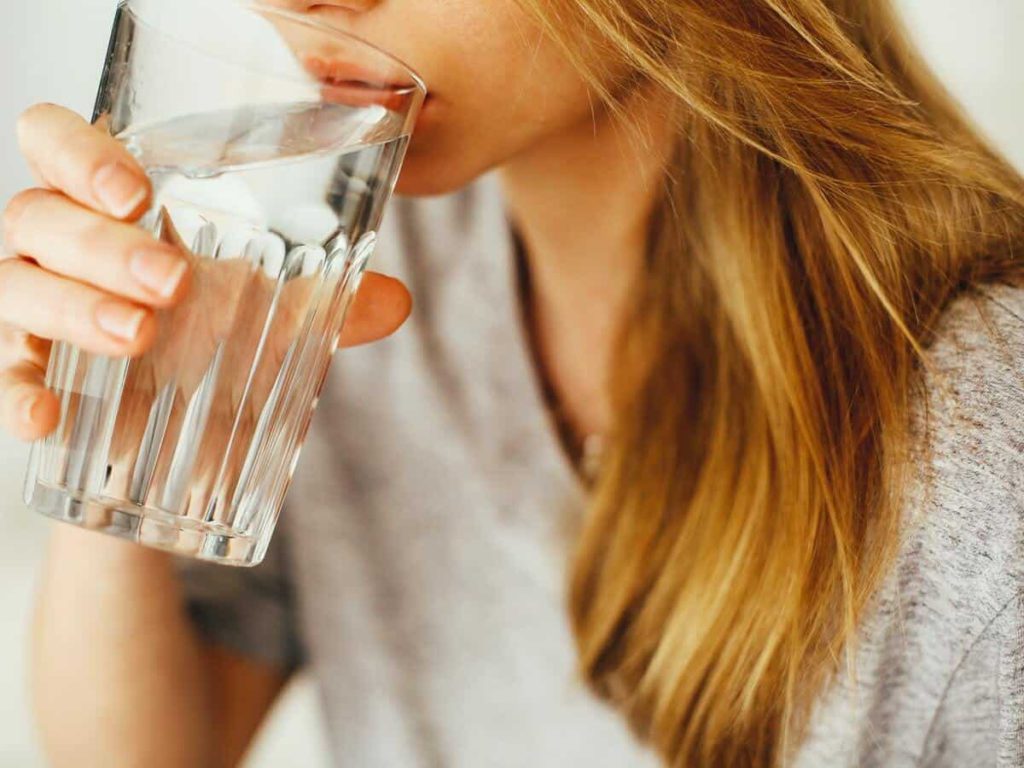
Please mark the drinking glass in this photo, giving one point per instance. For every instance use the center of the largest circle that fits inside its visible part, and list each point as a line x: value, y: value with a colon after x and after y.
x: 273, y: 140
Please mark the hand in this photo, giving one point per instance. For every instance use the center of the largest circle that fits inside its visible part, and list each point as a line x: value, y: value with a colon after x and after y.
x: 80, y: 271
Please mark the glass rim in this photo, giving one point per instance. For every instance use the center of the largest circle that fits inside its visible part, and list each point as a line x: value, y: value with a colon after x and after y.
x: 417, y: 83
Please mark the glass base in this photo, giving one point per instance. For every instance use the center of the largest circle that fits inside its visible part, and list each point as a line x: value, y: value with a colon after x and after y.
x: 146, y: 526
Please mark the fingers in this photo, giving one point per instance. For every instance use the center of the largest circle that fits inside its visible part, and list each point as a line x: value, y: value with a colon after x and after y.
x: 51, y: 306
x: 84, y: 162
x: 27, y: 409
x: 17, y: 346
x: 68, y: 239
x: 54, y: 307
x: 381, y: 306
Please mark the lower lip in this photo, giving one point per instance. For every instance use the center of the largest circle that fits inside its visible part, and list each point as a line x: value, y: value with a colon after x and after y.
x: 427, y: 111
x: 360, y: 95
x: 357, y: 95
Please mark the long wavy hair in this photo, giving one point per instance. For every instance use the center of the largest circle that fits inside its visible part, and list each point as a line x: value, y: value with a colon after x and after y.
x: 825, y: 201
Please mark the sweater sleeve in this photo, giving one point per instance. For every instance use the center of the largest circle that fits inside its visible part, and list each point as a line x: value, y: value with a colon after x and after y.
x: 247, y: 610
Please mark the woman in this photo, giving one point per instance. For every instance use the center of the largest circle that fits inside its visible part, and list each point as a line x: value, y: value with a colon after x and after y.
x: 748, y: 248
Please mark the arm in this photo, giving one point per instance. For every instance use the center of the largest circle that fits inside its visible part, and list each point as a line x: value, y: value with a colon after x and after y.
x: 119, y: 677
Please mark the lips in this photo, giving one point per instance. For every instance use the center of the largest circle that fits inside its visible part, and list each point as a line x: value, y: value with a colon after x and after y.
x: 345, y: 82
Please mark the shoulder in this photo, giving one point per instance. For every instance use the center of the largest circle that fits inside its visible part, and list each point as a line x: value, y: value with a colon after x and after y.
x: 966, y: 510
x: 973, y: 377
x: 932, y: 653
x: 981, y: 334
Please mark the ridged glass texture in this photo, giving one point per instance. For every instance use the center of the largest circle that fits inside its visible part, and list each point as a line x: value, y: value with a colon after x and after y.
x: 191, y: 446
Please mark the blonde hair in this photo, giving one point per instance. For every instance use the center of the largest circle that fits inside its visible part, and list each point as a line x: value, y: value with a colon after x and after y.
x: 825, y: 201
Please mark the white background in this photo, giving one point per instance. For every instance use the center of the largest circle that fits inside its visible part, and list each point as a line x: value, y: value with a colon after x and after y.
x: 52, y: 50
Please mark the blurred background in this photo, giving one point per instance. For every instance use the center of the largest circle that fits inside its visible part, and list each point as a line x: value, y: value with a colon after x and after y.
x: 52, y: 50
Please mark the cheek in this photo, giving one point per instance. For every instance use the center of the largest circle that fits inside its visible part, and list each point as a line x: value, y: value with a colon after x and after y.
x: 469, y: 139
x: 500, y: 90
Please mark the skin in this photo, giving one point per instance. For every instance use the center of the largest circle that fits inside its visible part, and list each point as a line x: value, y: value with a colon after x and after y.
x: 111, y: 643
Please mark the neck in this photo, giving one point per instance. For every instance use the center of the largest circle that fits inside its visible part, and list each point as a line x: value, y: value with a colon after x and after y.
x: 581, y: 202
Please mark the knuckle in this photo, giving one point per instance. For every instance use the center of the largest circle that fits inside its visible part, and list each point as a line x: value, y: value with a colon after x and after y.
x: 12, y: 390
x: 28, y: 121
x: 15, y: 211
x: 7, y: 266
x: 87, y: 152
x: 28, y: 117
x: 92, y: 237
x: 7, y: 383
x: 16, y: 346
x: 69, y: 314
x: 12, y: 289
x: 10, y: 337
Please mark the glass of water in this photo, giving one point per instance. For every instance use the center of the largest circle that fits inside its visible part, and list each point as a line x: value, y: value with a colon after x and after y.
x: 273, y: 141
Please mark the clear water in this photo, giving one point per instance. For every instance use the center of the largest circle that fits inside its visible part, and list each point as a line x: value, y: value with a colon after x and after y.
x: 278, y: 206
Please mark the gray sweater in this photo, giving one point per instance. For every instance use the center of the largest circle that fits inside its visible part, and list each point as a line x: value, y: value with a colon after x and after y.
x: 418, y: 570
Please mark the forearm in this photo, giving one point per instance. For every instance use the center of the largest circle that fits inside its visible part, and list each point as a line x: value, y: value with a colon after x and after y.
x: 118, y: 674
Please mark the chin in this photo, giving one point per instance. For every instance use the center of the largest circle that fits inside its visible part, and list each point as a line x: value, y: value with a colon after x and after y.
x: 429, y: 170
x: 419, y: 179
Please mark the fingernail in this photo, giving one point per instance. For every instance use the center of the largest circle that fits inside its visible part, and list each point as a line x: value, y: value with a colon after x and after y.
x: 119, y: 190
x: 120, y: 320
x: 159, y: 270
